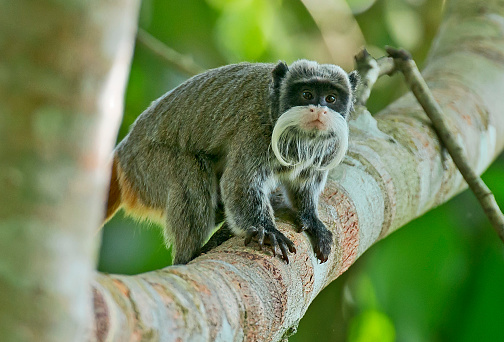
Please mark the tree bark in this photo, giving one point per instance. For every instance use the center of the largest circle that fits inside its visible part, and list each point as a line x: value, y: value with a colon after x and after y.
x: 392, y: 174
x: 63, y: 70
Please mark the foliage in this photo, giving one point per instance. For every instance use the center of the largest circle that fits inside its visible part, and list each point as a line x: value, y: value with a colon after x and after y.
x: 436, y: 279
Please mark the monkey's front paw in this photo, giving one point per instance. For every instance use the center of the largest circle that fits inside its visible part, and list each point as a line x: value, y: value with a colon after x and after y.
x: 322, y: 242
x: 321, y: 237
x: 273, y: 237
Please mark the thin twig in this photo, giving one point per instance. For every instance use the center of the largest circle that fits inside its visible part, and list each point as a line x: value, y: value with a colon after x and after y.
x: 181, y: 62
x: 370, y: 70
x: 386, y: 65
x: 405, y: 64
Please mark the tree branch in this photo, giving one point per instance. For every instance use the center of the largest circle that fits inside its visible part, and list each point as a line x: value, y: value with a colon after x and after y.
x: 174, y: 58
x: 370, y: 70
x: 407, y: 66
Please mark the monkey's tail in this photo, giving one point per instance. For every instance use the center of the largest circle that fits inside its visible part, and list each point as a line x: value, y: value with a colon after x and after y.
x: 114, y: 194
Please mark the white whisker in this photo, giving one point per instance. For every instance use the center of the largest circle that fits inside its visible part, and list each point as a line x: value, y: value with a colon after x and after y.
x: 322, y: 149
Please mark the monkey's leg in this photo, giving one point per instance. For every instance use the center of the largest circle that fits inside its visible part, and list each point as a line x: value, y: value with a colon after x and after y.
x: 248, y: 210
x: 190, y: 209
x: 304, y: 195
x: 218, y: 238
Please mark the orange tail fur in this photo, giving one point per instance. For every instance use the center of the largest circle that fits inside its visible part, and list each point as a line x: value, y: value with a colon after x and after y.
x: 114, y: 195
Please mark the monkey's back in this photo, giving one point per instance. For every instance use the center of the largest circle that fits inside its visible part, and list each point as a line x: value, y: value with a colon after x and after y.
x: 205, y: 110
x: 200, y: 117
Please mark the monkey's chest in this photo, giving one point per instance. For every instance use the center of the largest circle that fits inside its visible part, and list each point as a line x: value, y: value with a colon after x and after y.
x: 297, y: 173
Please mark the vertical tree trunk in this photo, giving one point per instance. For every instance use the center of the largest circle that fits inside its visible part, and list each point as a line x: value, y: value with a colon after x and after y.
x: 63, y: 68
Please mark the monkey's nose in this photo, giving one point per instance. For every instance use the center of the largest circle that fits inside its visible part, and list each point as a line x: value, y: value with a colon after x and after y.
x: 322, y: 113
x: 319, y: 113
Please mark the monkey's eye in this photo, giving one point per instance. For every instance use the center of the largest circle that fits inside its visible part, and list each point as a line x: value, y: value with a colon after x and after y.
x: 330, y: 98
x: 307, y: 95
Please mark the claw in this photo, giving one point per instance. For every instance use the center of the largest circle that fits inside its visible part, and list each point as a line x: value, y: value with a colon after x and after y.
x: 249, y: 235
x: 292, y: 249
x: 272, y: 236
x: 284, y: 252
x: 260, y: 238
x: 273, y: 242
x: 321, y: 256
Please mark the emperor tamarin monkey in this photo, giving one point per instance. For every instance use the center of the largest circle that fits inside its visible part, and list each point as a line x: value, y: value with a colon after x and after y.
x: 227, y: 138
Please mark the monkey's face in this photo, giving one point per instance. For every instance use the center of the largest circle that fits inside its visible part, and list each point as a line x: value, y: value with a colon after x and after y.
x: 314, y: 130
x: 318, y: 93
x: 322, y: 102
x: 314, y: 101
x: 311, y: 134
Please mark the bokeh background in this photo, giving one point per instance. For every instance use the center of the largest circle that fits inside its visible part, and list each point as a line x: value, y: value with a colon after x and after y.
x: 441, y: 277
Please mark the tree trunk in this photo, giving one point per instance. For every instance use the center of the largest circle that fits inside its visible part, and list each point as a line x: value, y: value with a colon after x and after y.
x: 63, y: 70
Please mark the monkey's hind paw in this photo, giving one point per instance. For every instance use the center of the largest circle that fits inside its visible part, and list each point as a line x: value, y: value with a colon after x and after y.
x: 273, y: 237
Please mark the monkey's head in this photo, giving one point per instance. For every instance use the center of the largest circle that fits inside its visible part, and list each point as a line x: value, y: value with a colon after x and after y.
x: 312, y: 103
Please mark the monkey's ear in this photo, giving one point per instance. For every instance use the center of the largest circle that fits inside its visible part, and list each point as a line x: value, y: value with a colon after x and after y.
x: 354, y: 78
x: 279, y: 73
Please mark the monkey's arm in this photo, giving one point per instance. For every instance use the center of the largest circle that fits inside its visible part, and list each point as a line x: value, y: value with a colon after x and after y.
x: 304, y: 195
x: 281, y: 208
x: 248, y: 210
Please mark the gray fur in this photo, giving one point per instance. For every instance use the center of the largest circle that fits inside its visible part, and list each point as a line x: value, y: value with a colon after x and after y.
x: 208, y: 141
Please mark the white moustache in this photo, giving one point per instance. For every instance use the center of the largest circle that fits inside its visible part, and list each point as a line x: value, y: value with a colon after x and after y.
x: 306, y: 119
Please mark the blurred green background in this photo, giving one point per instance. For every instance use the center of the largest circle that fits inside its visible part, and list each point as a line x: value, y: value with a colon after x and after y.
x: 441, y: 277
